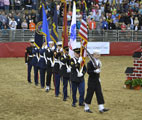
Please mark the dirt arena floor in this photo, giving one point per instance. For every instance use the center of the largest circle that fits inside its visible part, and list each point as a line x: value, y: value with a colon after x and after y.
x: 22, y: 101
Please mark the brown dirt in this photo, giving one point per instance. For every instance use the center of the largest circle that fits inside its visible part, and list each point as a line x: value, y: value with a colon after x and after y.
x: 22, y: 101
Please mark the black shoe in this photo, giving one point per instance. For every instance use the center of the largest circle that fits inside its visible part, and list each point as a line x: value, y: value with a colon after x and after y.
x: 64, y: 99
x: 36, y: 84
x: 29, y: 82
x: 89, y: 111
x: 56, y: 95
x: 47, y: 90
x: 104, y: 110
x: 73, y: 105
x: 81, y: 104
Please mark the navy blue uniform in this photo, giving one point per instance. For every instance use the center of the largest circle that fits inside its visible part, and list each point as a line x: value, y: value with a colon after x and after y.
x: 28, y: 60
x: 56, y: 71
x: 77, y: 82
x: 35, y: 60
x: 49, y: 67
x: 42, y: 66
x: 65, y: 74
x: 93, y: 85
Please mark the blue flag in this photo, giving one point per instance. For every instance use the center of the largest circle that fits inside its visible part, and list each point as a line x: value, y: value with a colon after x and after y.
x: 38, y: 31
x: 45, y: 29
x: 54, y: 28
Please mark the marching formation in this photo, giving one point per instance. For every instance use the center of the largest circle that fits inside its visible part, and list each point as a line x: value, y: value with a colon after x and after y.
x: 55, y: 61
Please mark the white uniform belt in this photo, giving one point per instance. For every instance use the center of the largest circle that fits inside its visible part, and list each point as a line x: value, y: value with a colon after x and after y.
x: 41, y: 56
x: 56, y: 61
x: 30, y: 56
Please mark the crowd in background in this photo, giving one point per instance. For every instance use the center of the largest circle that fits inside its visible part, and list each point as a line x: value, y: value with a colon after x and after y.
x: 101, y: 14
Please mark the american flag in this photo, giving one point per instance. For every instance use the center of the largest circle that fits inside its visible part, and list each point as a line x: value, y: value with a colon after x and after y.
x: 83, y: 34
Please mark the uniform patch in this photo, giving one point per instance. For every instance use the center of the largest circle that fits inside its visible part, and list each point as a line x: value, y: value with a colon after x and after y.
x: 62, y: 58
x: 72, y: 63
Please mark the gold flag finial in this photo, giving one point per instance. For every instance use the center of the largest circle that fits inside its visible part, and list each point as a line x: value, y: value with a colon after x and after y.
x: 63, y: 0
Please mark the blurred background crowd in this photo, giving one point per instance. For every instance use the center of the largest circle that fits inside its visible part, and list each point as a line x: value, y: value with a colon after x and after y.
x: 101, y: 14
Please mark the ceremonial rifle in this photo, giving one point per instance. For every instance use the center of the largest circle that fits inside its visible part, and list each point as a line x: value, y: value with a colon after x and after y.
x: 91, y: 58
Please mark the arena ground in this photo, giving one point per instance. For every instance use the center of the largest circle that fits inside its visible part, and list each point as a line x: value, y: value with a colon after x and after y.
x: 22, y: 101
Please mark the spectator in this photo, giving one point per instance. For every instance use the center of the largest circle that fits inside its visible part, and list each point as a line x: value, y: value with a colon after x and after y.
x: 140, y: 10
x: 6, y: 5
x: 13, y: 24
x: 28, y: 4
x: 132, y: 22
x: 33, y: 16
x: 111, y: 26
x: 24, y: 24
x: 104, y: 24
x: 92, y: 24
x: 34, y: 6
x: 78, y: 17
x: 69, y: 14
x: 123, y: 26
x: 117, y: 26
x: 18, y: 20
x: 140, y: 22
x: 32, y: 25
x: 136, y: 21
x: 17, y: 4
x: 1, y: 4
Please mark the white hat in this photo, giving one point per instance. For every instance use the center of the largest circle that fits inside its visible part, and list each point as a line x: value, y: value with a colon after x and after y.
x: 31, y: 40
x: 59, y: 43
x: 51, y: 42
x: 96, y: 51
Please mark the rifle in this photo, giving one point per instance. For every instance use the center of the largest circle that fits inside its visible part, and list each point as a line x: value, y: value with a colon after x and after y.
x: 92, y: 59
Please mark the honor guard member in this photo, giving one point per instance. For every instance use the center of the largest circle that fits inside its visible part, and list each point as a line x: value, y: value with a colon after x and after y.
x: 65, y: 71
x: 56, y: 68
x: 94, y: 85
x: 50, y: 64
x: 42, y: 65
x: 77, y: 78
x: 29, y: 57
x: 35, y: 60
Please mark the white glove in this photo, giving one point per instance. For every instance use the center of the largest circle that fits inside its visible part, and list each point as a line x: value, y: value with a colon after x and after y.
x: 80, y: 74
x: 68, y: 70
x: 61, y: 50
x: 26, y: 63
x: 48, y: 50
x: 45, y: 47
x: 52, y: 64
x: 64, y: 56
x: 53, y: 48
x: 97, y: 71
x: 80, y: 59
x: 99, y: 80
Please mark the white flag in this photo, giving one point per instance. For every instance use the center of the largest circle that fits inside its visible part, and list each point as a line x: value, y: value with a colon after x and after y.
x: 72, y: 43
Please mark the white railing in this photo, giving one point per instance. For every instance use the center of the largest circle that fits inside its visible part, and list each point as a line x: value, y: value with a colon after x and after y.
x: 93, y: 35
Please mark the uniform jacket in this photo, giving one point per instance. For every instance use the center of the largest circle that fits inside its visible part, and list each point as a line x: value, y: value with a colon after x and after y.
x: 56, y: 68
x: 35, y: 59
x: 75, y: 65
x: 42, y: 61
x: 66, y: 63
x: 93, y: 77
x: 28, y: 54
x: 49, y: 55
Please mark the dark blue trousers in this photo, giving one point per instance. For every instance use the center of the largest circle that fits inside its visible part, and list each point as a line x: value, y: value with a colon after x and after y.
x: 81, y: 88
x: 36, y: 75
x: 29, y: 71
x: 57, y: 83
x: 65, y: 85
x: 42, y: 77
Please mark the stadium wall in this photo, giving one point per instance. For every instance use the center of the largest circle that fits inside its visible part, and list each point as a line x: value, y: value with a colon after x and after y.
x: 17, y: 49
